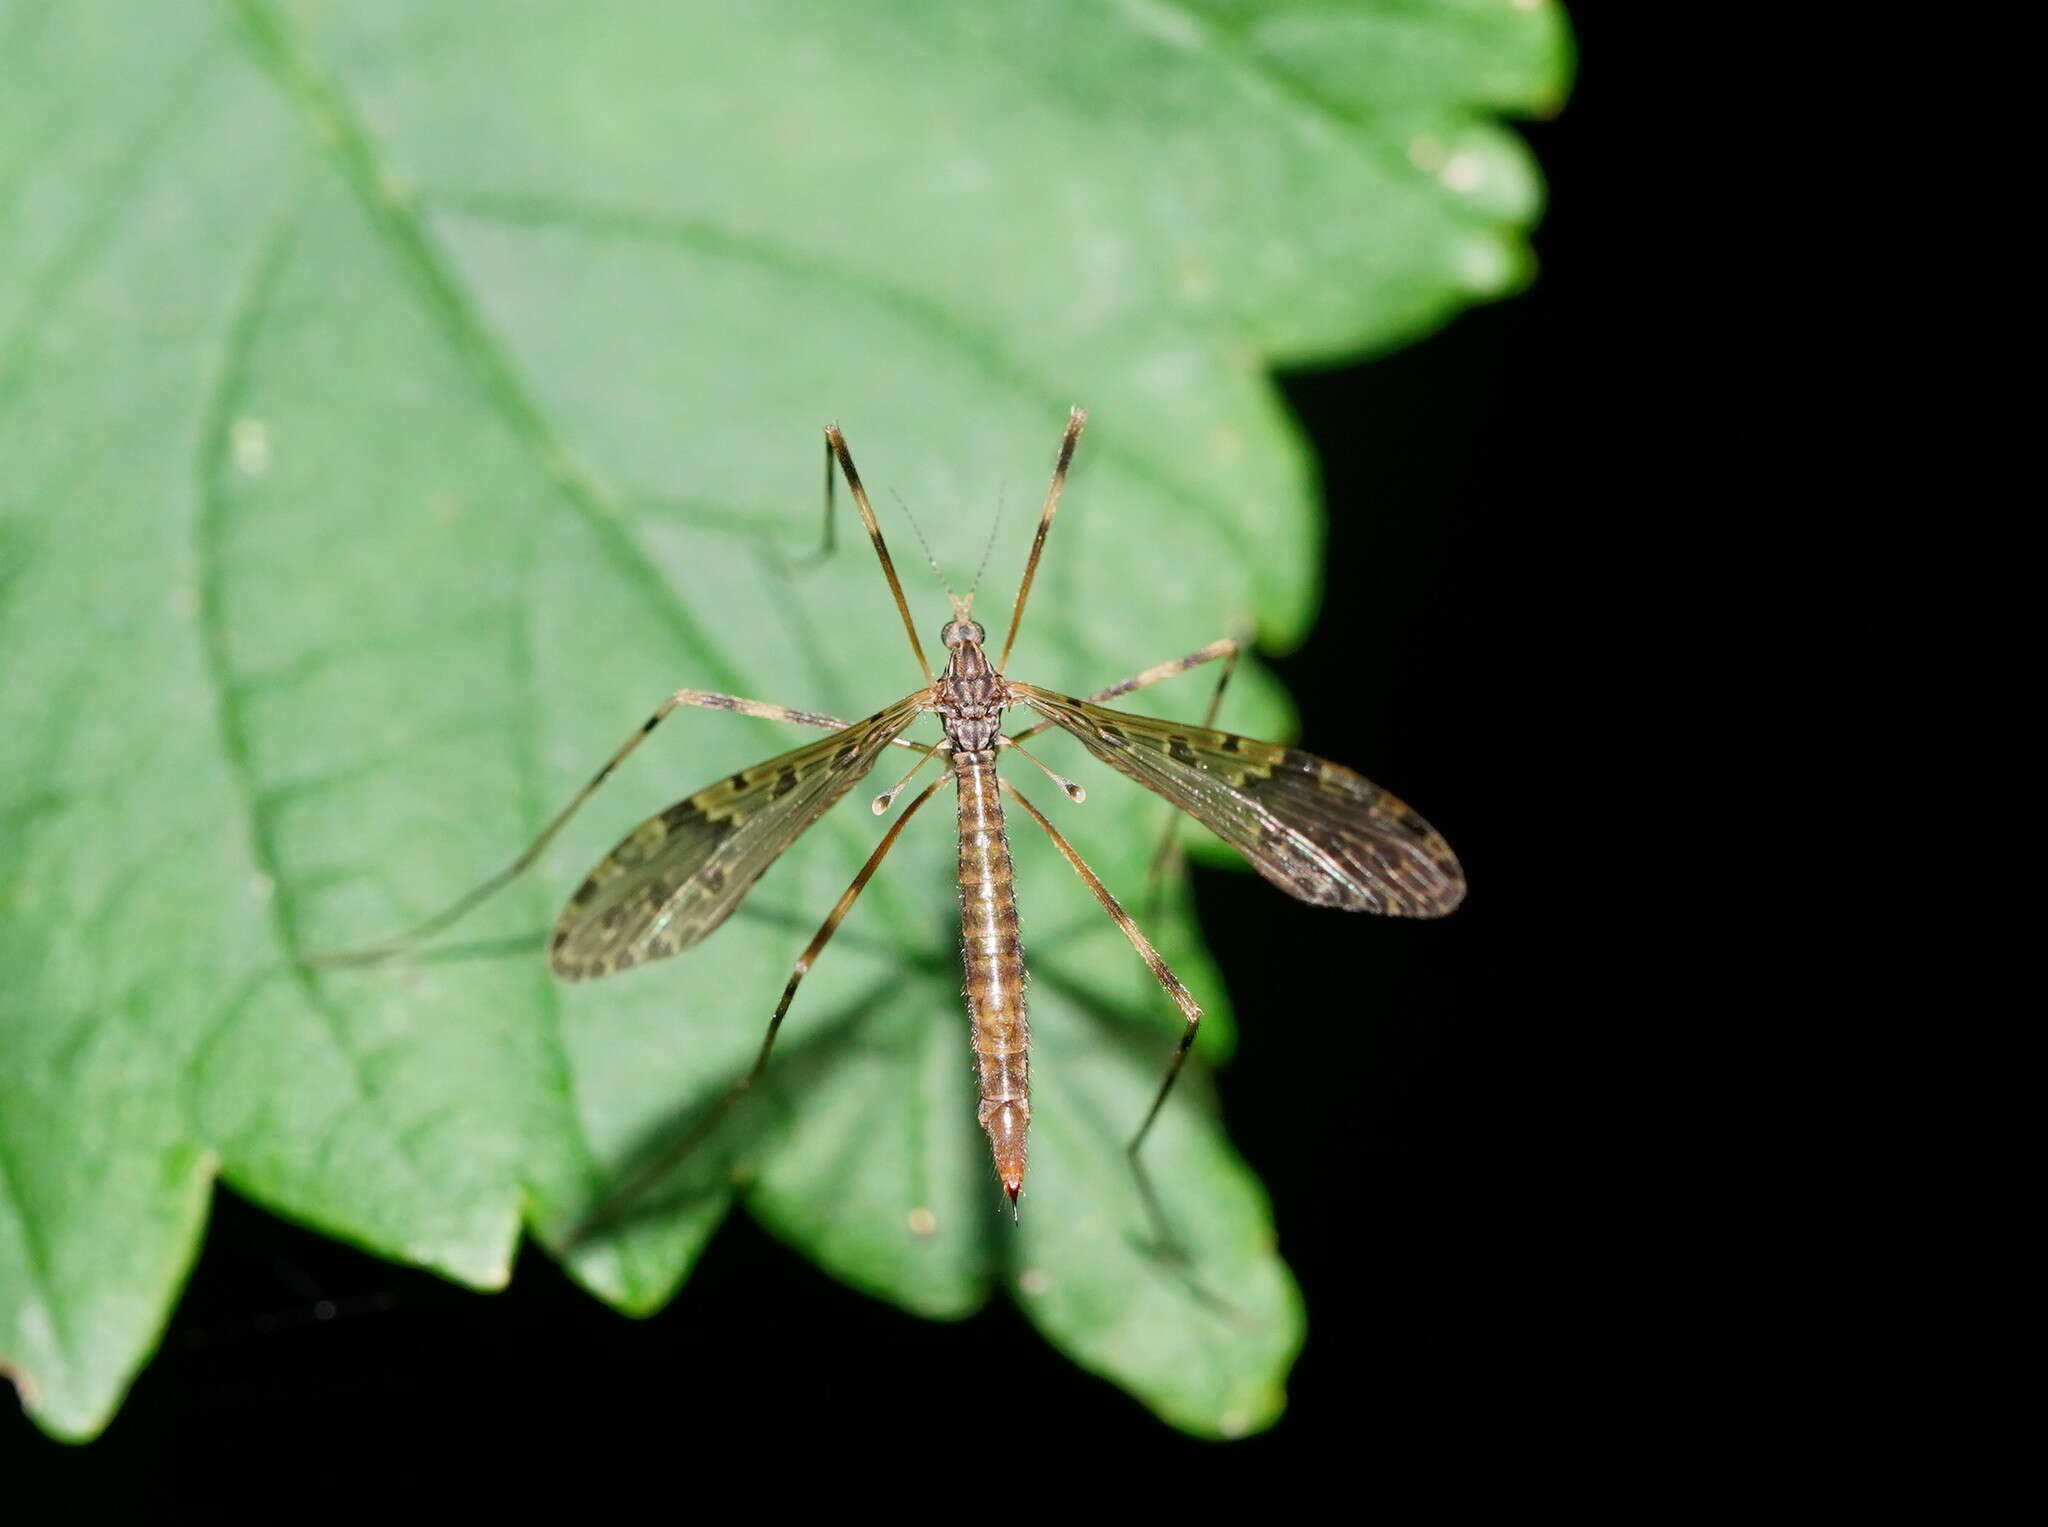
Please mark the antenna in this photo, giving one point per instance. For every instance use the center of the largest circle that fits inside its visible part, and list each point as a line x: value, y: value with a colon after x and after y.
x: 925, y: 545
x: 987, y: 550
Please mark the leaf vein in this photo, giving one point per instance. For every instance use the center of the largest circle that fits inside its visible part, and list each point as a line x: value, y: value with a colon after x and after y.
x: 38, y: 1251
x: 998, y: 361
x: 560, y: 1081
x: 209, y: 533
x: 337, y: 126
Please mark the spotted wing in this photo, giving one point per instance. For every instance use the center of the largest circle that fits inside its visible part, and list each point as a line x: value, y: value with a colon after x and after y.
x: 1313, y: 828
x: 678, y: 875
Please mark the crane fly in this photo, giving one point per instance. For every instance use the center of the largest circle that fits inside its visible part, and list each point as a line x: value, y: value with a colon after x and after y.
x: 1315, y: 829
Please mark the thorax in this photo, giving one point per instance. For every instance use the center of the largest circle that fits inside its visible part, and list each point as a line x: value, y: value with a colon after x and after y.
x: 969, y: 698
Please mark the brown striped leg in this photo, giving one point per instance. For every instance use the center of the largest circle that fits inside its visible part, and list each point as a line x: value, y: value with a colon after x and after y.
x: 1229, y: 647
x: 463, y: 905
x: 709, y: 1120
x: 836, y: 444
x: 828, y: 539
x: 1167, y: 857
x: 1166, y: 978
x: 1076, y: 418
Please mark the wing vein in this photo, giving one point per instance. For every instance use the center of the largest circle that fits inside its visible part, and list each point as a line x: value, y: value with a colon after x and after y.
x: 679, y: 874
x: 1315, y: 829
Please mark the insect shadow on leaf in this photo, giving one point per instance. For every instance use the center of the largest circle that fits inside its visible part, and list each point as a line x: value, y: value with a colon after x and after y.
x: 703, y: 1147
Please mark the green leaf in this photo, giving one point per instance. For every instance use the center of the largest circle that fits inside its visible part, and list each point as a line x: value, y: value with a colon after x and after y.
x: 398, y: 400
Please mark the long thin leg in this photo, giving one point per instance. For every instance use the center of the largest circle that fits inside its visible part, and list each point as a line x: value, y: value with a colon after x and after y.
x: 1229, y: 647
x: 830, y: 527
x: 828, y: 540
x: 1076, y: 418
x: 1167, y: 854
x: 1166, y: 978
x: 836, y: 443
x: 463, y: 905
x: 709, y: 1120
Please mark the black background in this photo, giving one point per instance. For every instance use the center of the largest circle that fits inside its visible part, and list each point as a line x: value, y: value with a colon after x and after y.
x: 1431, y: 1189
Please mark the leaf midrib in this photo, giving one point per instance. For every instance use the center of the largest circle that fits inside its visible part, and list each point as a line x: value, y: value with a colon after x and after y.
x: 997, y: 361
x: 336, y: 126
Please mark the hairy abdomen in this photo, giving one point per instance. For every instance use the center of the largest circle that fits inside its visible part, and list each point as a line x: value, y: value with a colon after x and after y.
x: 994, y: 960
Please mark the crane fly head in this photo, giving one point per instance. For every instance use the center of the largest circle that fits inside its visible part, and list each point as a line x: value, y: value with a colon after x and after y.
x: 962, y: 630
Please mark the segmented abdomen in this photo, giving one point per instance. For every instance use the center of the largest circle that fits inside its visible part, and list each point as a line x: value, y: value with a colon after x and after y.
x: 994, y: 959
